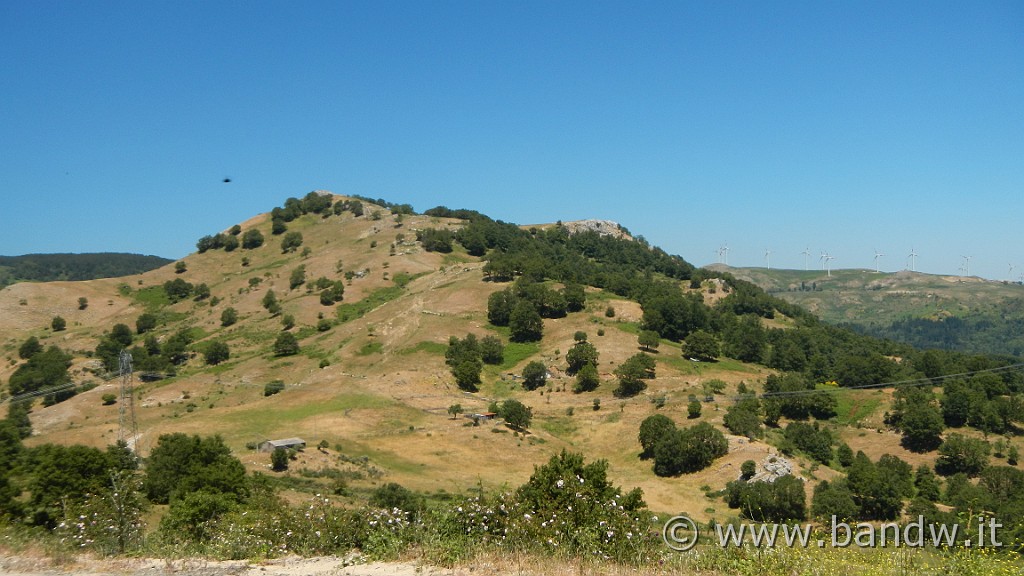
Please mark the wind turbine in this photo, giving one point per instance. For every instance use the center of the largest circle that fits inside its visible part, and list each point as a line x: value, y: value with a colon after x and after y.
x: 913, y: 259
x: 828, y: 267
x: 1009, y: 275
x: 877, y: 256
x: 768, y: 258
x: 967, y: 265
x: 806, y: 253
x: 725, y: 250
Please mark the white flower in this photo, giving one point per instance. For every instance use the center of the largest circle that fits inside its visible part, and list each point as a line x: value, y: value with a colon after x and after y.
x: 560, y: 483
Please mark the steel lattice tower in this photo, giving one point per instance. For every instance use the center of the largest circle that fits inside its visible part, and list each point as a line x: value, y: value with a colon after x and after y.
x: 127, y: 431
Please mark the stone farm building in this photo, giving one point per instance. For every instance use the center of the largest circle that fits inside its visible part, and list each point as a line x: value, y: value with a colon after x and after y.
x: 287, y: 444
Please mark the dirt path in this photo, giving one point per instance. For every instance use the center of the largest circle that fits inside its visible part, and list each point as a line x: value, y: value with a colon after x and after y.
x: 323, y: 566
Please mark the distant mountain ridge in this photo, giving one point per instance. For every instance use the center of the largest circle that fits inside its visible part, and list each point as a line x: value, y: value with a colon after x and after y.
x: 967, y: 314
x: 74, y: 267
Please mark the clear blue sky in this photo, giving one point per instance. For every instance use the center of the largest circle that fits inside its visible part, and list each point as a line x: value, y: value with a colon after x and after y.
x: 835, y: 126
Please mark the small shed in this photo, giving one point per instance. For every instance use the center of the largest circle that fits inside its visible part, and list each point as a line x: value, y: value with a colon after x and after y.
x: 287, y: 444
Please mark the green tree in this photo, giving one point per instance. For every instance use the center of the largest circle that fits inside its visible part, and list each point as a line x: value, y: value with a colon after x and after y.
x: 61, y: 474
x: 298, y: 277
x: 575, y: 297
x: 516, y: 414
x: 228, y: 317
x: 922, y: 427
x: 83, y: 303
x: 291, y: 242
x: 581, y: 354
x: 587, y: 379
x: 286, y: 344
x: 467, y: 374
x: 178, y: 289
x: 649, y: 340
x: 535, y: 375
x: 780, y: 501
x: 393, y: 495
x: 287, y: 322
x: 492, y: 351
x: 833, y: 499
x: 693, y: 409
x: 743, y: 418
x: 29, y: 348
x: 252, y: 239
x: 279, y: 459
x: 216, y: 352
x: 17, y: 416
x: 654, y: 429
x: 273, y: 387
x: 689, y: 450
x: 499, y: 307
x: 569, y: 487
x: 454, y: 410
x: 180, y: 268
x: 58, y: 324
x: 748, y: 469
x: 525, y: 324
x: 927, y: 483
x: 632, y: 374
x: 145, y: 322
x: 180, y: 464
x: 960, y: 454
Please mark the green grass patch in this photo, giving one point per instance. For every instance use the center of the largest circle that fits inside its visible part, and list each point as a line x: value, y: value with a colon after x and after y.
x: 629, y: 327
x: 152, y: 298
x: 516, y: 352
x: 427, y: 347
x: 372, y: 347
x: 269, y: 416
x: 561, y: 427
x: 500, y: 389
x: 403, y: 279
x: 852, y: 407
x: 379, y: 297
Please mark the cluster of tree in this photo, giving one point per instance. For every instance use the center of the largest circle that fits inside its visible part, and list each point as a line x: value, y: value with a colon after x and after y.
x: 73, y: 267
x: 998, y: 329
x: 811, y: 439
x: 467, y: 356
x: 44, y: 368
x: 522, y: 306
x: 405, y: 209
x: 676, y: 451
x: 229, y: 242
x: 781, y: 500
x: 870, y: 491
x: 435, y: 239
x: 743, y: 418
x: 516, y: 414
x: 582, y: 360
x: 54, y: 476
x: 178, y: 290
x: 150, y: 356
x: 632, y: 375
x: 985, y: 401
x: 794, y: 396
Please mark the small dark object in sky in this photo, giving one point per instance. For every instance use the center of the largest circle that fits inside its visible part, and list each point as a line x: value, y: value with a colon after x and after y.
x: 226, y: 180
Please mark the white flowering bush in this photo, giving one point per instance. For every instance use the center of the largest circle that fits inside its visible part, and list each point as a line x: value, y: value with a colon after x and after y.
x: 109, y: 522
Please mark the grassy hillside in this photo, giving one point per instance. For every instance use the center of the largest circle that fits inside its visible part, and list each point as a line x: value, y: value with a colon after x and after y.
x: 924, y: 310
x: 369, y: 390
x: 52, y: 267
